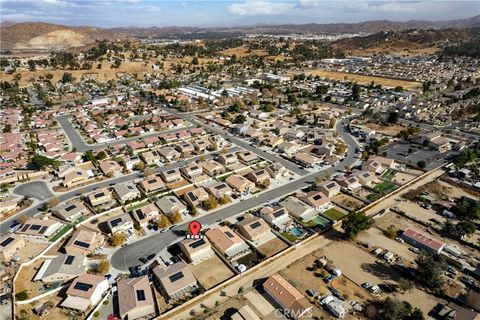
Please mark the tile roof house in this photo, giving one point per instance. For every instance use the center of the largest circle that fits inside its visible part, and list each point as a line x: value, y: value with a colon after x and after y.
x: 240, y: 183
x: 277, y: 217
x: 228, y: 159
x: 226, y: 241
x: 219, y: 189
x: 145, y: 213
x: 84, y: 242
x: 212, y: 167
x: 38, y: 228
x: 258, y: 176
x: 135, y: 298
x: 289, y: 298
x: 196, y: 250
x: 307, y: 159
x: 171, y: 175
x: 196, y: 196
x: 350, y: 182
x: 150, y: 157
x: 99, y: 197
x: 168, y: 153
x: 247, y: 157
x: 10, y: 243
x: 175, y: 281
x: 422, y: 240
x: 85, y: 291
x: 152, y: 184
x: 315, y: 199
x: 170, y: 204
x: 121, y: 222
x: 126, y: 191
x: 365, y: 178
x: 253, y: 228
x: 192, y: 170
x: 298, y: 208
x: 328, y: 188
x: 61, y: 268
x: 185, y: 148
x: 70, y: 211
x: 276, y: 170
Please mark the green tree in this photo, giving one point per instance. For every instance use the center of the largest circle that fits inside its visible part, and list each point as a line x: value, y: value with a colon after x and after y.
x: 240, y: 119
x: 67, y: 77
x: 22, y: 295
x: 422, y: 164
x: 210, y: 203
x: 356, y: 222
x: 356, y: 92
x: 430, y: 268
x: 41, y: 162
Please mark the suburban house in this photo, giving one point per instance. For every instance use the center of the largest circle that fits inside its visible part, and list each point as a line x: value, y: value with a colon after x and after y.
x: 61, y: 268
x: 85, y: 291
x: 253, y: 228
x: 70, y: 211
x: 192, y: 170
x: 349, y: 182
x: 289, y: 298
x: 145, y: 213
x: 240, y: 183
x: 196, y: 250
x: 99, y: 197
x: 10, y: 243
x: 226, y: 241
x: 126, y: 191
x: 152, y: 184
x: 259, y: 176
x: 84, y: 242
x: 298, y: 208
x: 175, y: 281
x: 378, y: 164
x: 219, y: 190
x: 168, y: 205
x: 422, y: 240
x: 228, y: 159
x: 185, y: 148
x: 39, y: 228
x: 121, y: 222
x: 435, y: 140
x: 212, y: 167
x: 328, y: 188
x: 109, y: 167
x: 76, y: 177
x: 365, y: 178
x: 306, y: 159
x: 201, y: 145
x: 171, y: 175
x: 277, y: 217
x: 315, y: 199
x: 150, y: 157
x: 196, y: 196
x: 135, y: 298
x: 276, y: 170
x: 168, y: 153
x: 247, y: 157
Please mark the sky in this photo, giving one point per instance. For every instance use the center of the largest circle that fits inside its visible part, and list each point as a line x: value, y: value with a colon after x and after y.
x: 147, y: 13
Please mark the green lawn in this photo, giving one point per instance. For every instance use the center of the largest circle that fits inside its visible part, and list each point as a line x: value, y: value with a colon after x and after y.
x: 290, y: 237
x: 61, y: 232
x: 223, y: 178
x: 334, y: 214
x: 385, y: 187
x: 389, y: 174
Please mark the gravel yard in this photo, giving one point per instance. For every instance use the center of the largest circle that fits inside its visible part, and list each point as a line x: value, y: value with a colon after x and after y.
x: 211, y: 272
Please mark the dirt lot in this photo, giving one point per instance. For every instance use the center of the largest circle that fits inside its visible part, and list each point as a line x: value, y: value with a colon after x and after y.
x: 401, y: 177
x: 420, y: 213
x: 30, y: 250
x: 347, y: 201
x: 272, y: 247
x: 211, y: 272
x: 364, y: 79
x: 387, y: 130
x: 55, y: 312
x: 25, y: 279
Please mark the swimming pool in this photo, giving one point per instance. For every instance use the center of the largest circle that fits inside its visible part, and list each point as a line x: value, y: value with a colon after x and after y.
x: 296, y: 231
x: 320, y: 221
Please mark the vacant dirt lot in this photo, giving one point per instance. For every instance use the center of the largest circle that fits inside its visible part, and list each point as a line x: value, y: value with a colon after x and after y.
x: 30, y: 250
x: 386, y: 82
x: 347, y: 201
x: 401, y: 177
x: 272, y: 247
x: 420, y: 213
x: 25, y: 279
x: 387, y: 130
x: 211, y: 272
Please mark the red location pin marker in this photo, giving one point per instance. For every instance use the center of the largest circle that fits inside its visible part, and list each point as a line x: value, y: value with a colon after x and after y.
x: 194, y: 227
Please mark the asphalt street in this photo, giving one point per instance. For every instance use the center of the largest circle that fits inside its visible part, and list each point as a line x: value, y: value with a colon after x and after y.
x: 34, y: 189
x: 77, y: 141
x: 5, y: 225
x: 129, y: 255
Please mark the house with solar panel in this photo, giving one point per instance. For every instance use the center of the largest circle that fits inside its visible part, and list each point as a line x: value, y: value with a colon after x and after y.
x: 196, y: 250
x: 254, y: 229
x: 146, y: 213
x: 172, y: 175
x: 39, y: 228
x: 175, y: 281
x: 219, y: 190
x: 169, y: 205
x: 126, y: 192
x: 227, y: 241
x: 70, y: 211
x: 135, y: 298
x: 277, y: 217
x: 100, y: 197
x: 84, y: 242
x: 152, y: 184
x: 10, y: 243
x: 84, y: 292
x: 118, y: 223
x: 298, y: 208
x: 328, y: 188
x: 62, y: 268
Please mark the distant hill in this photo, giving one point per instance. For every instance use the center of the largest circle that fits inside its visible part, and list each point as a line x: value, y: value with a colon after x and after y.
x: 39, y: 36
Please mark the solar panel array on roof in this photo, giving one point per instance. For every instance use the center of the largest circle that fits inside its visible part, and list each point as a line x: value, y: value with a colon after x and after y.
x: 175, y: 277
x: 197, y: 244
x: 6, y: 242
x: 99, y: 195
x: 220, y: 186
x: 140, y: 295
x: 330, y: 185
x: 116, y: 222
x: 279, y: 213
x: 82, y: 286
x: 171, y: 171
x: 140, y: 214
x: 42, y: 231
x: 81, y: 244
x: 192, y: 196
x: 255, y: 225
x: 70, y: 207
x: 172, y: 200
x: 36, y: 227
x: 316, y: 197
x: 151, y: 181
x: 69, y: 260
x: 229, y: 234
x: 25, y: 228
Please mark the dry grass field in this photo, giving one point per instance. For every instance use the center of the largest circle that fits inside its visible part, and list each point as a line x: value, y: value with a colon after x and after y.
x: 363, y: 79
